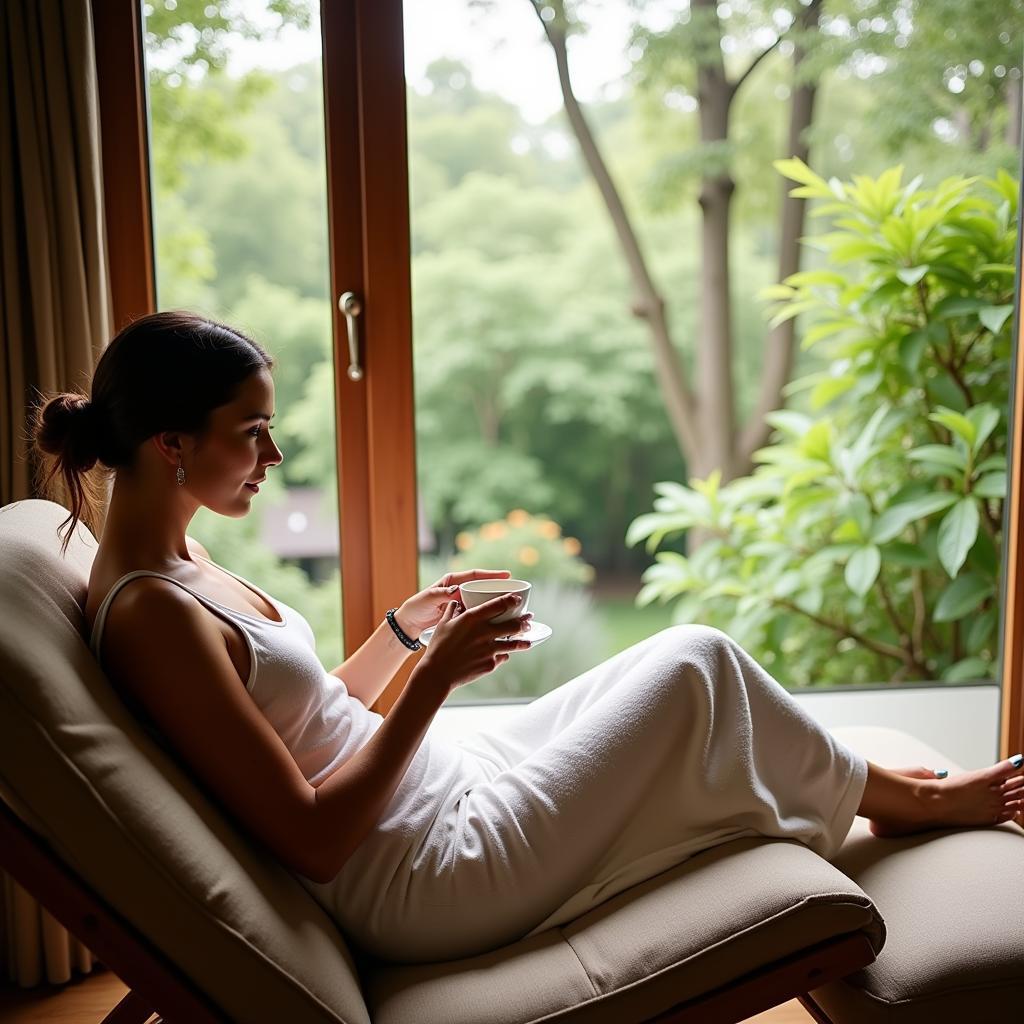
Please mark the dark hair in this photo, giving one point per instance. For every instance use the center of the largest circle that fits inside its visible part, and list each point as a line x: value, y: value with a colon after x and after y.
x: 166, y: 371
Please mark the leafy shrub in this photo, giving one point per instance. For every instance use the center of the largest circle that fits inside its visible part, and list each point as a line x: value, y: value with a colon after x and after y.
x: 872, y: 525
x: 530, y: 547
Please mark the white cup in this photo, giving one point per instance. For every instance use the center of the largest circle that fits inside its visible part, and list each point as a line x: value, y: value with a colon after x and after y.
x: 476, y: 592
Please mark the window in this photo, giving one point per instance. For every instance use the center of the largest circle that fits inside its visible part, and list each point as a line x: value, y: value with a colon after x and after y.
x: 513, y: 329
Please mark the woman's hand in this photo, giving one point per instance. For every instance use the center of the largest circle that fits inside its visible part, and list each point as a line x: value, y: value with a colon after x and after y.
x: 467, y: 644
x: 423, y: 610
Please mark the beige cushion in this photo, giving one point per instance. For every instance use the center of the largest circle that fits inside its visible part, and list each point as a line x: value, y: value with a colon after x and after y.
x: 130, y: 821
x: 953, y: 903
x: 701, y: 925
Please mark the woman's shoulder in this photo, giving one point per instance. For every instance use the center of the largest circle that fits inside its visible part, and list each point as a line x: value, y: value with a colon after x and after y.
x: 109, y: 570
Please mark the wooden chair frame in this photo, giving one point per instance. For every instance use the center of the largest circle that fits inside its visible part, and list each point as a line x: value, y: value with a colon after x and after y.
x: 157, y: 985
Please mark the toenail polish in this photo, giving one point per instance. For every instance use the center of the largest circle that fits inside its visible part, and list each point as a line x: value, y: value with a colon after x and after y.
x: 941, y: 773
x: 1017, y: 760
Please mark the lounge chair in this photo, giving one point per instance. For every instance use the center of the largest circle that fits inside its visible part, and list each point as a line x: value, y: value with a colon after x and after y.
x: 101, y: 823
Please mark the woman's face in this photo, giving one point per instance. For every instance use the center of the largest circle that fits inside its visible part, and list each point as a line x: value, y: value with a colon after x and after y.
x: 237, y: 449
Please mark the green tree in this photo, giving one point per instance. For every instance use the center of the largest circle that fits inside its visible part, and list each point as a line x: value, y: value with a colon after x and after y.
x: 872, y: 524
x: 187, y: 47
x: 707, y: 55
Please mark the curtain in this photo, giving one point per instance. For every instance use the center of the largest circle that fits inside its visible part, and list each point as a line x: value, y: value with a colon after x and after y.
x: 54, y: 294
x: 54, y: 310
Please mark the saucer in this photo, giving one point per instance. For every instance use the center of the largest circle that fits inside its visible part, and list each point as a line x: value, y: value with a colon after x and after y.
x: 537, y: 633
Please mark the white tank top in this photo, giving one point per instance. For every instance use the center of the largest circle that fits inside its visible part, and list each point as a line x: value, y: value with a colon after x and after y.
x: 310, y: 709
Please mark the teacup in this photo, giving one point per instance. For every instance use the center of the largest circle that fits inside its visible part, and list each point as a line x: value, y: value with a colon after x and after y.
x: 476, y: 592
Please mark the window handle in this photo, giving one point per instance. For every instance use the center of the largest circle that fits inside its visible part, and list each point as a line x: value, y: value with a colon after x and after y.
x: 350, y: 305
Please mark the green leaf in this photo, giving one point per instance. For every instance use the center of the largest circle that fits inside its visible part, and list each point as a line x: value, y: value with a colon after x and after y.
x: 956, y: 305
x: 790, y: 422
x: 894, y: 520
x: 968, y: 670
x: 792, y: 309
x: 911, y: 348
x: 777, y: 291
x: 810, y: 600
x: 992, y: 485
x: 848, y: 531
x: 862, y: 569
x: 911, y: 275
x: 901, y: 553
x: 817, y: 442
x: 991, y: 463
x: 863, y: 446
x: 651, y: 524
x: 957, y: 533
x: 962, y: 596
x: 981, y: 629
x: 829, y: 389
x: 942, y: 454
x: 943, y: 391
x: 806, y: 278
x: 993, y: 317
x: 829, y: 555
x: 796, y: 170
x: 985, y: 418
x: 957, y: 423
x: 825, y: 330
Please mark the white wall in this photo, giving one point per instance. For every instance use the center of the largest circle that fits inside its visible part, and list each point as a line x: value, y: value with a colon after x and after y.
x: 960, y: 721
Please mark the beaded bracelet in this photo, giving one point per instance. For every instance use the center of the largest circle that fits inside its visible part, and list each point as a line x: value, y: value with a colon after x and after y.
x: 413, y: 645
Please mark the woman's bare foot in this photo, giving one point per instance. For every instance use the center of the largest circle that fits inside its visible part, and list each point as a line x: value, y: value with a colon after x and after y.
x: 900, y: 801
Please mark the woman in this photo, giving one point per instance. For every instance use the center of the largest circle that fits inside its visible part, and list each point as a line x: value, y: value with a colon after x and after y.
x: 420, y: 848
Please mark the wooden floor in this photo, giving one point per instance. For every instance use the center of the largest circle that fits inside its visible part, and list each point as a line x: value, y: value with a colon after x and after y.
x: 88, y: 998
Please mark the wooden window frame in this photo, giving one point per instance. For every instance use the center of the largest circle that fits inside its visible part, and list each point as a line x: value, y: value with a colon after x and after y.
x: 1011, y: 717
x: 368, y: 212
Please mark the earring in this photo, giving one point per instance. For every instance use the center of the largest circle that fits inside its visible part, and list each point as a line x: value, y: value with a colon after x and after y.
x: 180, y: 475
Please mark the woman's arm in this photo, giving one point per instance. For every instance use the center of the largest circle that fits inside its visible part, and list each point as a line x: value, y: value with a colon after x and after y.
x: 195, y: 697
x: 369, y: 669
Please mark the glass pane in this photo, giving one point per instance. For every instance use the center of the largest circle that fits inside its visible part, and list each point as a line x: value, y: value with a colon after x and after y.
x: 240, y: 221
x: 619, y: 460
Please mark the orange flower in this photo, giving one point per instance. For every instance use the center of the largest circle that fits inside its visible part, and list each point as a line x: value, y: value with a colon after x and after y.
x: 464, y: 541
x: 571, y: 546
x: 517, y: 517
x: 493, y: 531
x: 548, y: 528
x: 529, y: 555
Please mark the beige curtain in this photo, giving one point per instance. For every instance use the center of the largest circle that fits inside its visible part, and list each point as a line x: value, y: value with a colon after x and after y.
x: 54, y: 309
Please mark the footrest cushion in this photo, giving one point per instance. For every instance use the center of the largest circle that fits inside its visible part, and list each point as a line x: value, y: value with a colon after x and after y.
x: 953, y: 905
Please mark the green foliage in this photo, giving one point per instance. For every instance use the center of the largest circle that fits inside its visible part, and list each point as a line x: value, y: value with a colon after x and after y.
x: 872, y: 523
x: 198, y: 125
x: 530, y: 547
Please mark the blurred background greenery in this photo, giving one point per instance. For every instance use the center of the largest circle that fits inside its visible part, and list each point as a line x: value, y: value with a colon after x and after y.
x: 539, y: 399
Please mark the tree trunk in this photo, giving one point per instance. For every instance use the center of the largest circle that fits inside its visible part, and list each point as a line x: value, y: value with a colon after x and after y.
x: 648, y: 303
x: 780, y: 345
x: 715, y: 412
x: 704, y: 421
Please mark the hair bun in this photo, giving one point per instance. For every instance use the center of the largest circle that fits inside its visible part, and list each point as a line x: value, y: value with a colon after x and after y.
x: 67, y: 426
